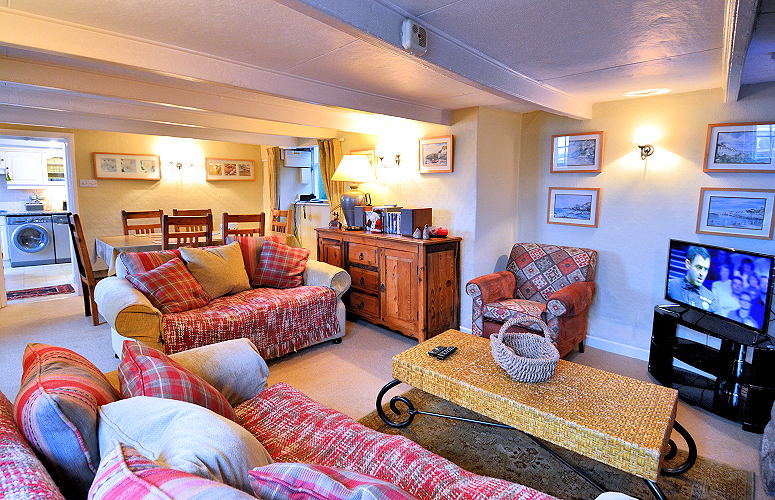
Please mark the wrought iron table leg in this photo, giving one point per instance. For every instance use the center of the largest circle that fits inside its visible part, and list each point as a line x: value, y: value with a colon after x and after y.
x: 690, y: 459
x: 655, y: 489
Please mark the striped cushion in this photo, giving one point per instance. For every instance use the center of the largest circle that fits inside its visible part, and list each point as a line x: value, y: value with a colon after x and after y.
x: 22, y: 475
x: 290, y: 481
x: 142, y: 262
x: 281, y: 266
x: 251, y: 251
x: 144, y: 371
x: 125, y: 474
x: 56, y: 410
x: 170, y: 287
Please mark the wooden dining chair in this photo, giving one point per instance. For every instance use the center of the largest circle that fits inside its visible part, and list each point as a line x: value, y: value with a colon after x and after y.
x: 144, y: 227
x: 278, y: 225
x: 259, y: 219
x: 175, y: 232
x: 192, y: 212
x: 90, y: 272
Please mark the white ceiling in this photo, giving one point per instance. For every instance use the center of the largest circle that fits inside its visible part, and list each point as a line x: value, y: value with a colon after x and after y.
x: 320, y: 65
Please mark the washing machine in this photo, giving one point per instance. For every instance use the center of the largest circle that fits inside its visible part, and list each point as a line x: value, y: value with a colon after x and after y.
x: 31, y: 240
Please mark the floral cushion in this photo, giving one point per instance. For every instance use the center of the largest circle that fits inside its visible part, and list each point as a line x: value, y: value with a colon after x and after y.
x: 289, y: 481
x: 170, y: 287
x: 541, y: 270
x: 142, y: 262
x: 125, y: 474
x: 144, y: 371
x: 56, y: 410
x: 281, y: 266
x: 251, y: 247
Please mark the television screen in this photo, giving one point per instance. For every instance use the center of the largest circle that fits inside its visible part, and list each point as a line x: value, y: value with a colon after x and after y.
x: 730, y: 283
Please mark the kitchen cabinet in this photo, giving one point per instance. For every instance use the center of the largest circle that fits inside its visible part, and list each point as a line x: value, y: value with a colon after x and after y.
x: 33, y: 169
x: 405, y: 284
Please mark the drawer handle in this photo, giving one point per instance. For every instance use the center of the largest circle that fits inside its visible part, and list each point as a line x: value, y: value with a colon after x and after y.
x: 360, y: 257
x: 362, y: 280
x: 382, y: 287
x: 361, y: 305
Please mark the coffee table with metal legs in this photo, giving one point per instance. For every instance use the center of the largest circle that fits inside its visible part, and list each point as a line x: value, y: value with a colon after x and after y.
x: 616, y: 420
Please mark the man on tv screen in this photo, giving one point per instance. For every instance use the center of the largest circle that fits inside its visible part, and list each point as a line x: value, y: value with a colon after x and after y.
x: 690, y: 289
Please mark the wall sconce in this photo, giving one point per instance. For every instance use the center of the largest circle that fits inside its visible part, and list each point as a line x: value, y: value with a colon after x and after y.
x: 644, y: 136
x: 179, y: 165
x: 396, y: 163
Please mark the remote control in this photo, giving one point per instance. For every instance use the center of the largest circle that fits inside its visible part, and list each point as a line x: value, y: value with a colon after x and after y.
x: 435, y: 352
x: 446, y: 352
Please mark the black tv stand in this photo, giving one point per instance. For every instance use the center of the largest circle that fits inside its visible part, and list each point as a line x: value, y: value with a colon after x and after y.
x: 744, y: 386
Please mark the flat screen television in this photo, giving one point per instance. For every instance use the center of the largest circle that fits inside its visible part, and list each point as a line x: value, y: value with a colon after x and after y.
x: 727, y: 283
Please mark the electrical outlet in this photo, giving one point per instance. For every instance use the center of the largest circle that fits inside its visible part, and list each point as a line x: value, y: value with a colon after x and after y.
x: 88, y: 183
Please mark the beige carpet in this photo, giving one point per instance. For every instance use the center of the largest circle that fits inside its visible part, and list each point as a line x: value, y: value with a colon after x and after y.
x: 510, y: 455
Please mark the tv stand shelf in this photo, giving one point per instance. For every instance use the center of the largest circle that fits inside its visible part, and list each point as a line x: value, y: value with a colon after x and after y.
x: 741, y: 386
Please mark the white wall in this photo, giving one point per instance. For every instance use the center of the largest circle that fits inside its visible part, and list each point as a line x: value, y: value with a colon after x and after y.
x: 642, y: 204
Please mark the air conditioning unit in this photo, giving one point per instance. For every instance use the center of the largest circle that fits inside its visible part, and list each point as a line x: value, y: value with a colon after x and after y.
x: 298, y: 158
x: 414, y: 38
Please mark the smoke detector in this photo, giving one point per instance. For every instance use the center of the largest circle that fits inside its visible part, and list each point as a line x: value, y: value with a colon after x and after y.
x: 414, y: 38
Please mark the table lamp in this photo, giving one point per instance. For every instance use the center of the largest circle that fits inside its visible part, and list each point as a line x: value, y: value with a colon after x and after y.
x: 353, y: 169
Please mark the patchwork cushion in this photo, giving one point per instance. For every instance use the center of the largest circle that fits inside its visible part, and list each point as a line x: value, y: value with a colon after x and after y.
x: 183, y: 436
x: 170, y: 287
x: 281, y: 266
x: 317, y: 482
x: 144, y: 371
x: 251, y: 247
x: 142, y: 262
x: 541, y: 270
x: 125, y: 474
x: 220, y: 270
x: 504, y: 310
x: 56, y: 410
x: 22, y: 475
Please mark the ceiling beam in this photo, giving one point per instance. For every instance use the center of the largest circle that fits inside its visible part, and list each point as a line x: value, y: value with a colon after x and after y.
x: 739, y: 20
x: 380, y: 25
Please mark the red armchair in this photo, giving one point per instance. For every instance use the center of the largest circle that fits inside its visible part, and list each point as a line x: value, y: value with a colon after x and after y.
x: 549, y: 282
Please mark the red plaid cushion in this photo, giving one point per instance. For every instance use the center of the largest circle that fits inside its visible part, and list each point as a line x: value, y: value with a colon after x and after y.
x: 144, y: 371
x: 251, y: 247
x: 142, y: 262
x: 289, y: 480
x: 281, y: 266
x: 170, y: 287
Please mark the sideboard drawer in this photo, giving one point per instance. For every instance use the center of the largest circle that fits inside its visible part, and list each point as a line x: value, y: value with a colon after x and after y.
x: 364, y: 304
x: 365, y: 279
x: 362, y: 254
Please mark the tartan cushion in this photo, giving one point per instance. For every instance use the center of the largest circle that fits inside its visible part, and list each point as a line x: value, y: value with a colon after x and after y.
x: 281, y: 266
x: 56, y: 410
x: 288, y: 481
x: 22, y: 475
x: 170, y: 287
x: 251, y: 251
x: 541, y: 270
x: 125, y: 474
x: 142, y: 262
x: 144, y: 371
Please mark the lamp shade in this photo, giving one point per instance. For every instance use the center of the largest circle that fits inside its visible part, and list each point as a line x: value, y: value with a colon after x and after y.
x: 354, y: 168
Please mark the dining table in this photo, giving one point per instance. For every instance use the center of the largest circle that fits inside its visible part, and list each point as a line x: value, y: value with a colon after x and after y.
x: 108, y: 248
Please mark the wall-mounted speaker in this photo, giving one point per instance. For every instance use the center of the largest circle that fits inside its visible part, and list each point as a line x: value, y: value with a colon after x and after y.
x: 414, y: 38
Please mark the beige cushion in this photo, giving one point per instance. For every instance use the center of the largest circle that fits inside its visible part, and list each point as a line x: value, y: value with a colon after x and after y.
x: 219, y: 270
x: 183, y: 436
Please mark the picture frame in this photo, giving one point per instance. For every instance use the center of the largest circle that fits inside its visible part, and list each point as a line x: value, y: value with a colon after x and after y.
x: 746, y: 213
x: 436, y: 154
x: 127, y: 166
x: 572, y: 153
x: 221, y: 169
x: 573, y: 206
x: 740, y: 147
x: 369, y: 153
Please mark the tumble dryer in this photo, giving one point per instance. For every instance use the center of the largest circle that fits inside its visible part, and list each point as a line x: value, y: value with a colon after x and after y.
x: 31, y: 240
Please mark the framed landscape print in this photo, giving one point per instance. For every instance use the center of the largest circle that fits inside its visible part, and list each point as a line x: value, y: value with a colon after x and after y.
x: 573, y: 206
x: 736, y: 212
x: 436, y: 154
x: 740, y: 147
x: 368, y: 153
x: 577, y: 152
x: 125, y: 166
x: 217, y: 169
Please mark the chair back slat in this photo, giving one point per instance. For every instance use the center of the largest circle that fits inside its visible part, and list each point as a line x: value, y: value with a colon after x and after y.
x: 175, y: 232
x: 255, y: 219
x: 192, y: 212
x: 85, y: 268
x: 278, y: 225
x: 145, y: 227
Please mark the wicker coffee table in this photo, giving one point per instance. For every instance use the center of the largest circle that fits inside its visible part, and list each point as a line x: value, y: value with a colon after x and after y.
x: 616, y: 420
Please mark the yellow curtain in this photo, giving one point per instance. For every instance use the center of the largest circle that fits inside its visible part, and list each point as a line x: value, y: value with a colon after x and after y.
x: 272, y: 166
x: 330, y: 156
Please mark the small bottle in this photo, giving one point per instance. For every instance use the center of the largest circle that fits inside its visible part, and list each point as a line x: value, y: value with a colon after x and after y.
x: 426, y: 234
x: 417, y: 233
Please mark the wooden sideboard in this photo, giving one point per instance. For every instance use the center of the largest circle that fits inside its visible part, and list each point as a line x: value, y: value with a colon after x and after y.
x: 405, y: 284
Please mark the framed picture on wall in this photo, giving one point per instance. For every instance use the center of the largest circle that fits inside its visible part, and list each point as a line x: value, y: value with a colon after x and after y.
x: 368, y: 153
x: 736, y: 212
x: 573, y: 206
x: 577, y: 152
x: 740, y: 147
x: 218, y: 169
x: 436, y: 154
x: 127, y: 166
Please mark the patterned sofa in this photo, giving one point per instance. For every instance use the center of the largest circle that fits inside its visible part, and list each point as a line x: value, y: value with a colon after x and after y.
x: 279, y: 312
x: 288, y: 425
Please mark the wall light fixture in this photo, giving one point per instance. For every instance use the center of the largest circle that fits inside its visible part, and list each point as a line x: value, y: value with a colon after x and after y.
x: 644, y: 136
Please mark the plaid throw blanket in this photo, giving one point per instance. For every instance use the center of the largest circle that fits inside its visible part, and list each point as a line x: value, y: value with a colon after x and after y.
x: 276, y: 321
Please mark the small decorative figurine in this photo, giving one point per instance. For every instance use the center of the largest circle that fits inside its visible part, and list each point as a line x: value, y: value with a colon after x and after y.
x: 335, y: 223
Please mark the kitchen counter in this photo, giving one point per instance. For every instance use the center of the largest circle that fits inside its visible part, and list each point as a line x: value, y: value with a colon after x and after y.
x: 37, y: 212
